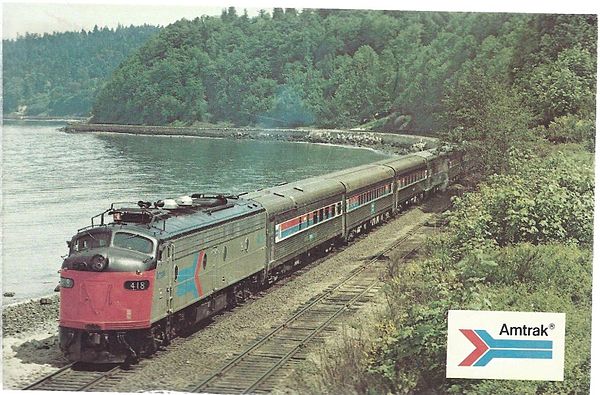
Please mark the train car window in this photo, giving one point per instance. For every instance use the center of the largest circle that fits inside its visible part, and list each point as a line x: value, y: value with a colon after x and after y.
x: 314, y: 217
x: 91, y: 240
x: 299, y: 223
x: 204, y: 261
x: 320, y: 215
x: 133, y: 242
x: 339, y: 208
x: 224, y: 253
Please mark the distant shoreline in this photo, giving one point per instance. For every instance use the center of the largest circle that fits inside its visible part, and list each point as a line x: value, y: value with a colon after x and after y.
x: 41, y: 118
x: 387, y: 142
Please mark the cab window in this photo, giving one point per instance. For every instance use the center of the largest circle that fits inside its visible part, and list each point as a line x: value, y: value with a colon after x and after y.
x: 90, y: 240
x: 131, y: 241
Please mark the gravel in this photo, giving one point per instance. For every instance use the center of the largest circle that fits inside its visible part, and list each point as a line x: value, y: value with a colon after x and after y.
x: 28, y: 316
x: 30, y: 341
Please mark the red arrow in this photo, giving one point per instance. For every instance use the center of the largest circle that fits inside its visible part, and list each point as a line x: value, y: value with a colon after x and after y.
x: 197, y: 272
x: 480, y: 347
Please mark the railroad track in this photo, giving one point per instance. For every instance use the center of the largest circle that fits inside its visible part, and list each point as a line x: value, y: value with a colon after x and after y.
x: 259, y: 368
x: 81, y: 377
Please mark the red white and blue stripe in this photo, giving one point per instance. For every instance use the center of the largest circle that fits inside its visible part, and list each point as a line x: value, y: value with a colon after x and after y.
x: 301, y: 223
x: 488, y: 348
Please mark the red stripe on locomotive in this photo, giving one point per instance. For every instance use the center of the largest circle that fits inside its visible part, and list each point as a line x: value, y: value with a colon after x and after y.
x: 100, y: 300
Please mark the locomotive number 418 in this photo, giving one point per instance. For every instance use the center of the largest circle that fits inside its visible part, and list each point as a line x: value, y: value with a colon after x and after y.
x: 139, y: 285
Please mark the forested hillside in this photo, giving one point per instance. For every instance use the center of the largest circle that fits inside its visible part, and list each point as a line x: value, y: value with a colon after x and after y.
x: 387, y: 69
x: 58, y: 74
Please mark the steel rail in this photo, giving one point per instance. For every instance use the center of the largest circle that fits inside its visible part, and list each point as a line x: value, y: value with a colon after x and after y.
x: 53, y: 374
x: 49, y: 382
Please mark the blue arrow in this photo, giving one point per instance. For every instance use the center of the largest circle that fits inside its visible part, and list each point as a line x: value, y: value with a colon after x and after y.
x: 507, y: 343
x: 526, y: 354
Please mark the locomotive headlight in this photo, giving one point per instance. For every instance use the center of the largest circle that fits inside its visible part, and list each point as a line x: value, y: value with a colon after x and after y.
x: 99, y: 263
x: 66, y: 282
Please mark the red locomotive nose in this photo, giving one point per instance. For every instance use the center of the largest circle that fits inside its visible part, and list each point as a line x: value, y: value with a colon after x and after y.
x: 105, y: 300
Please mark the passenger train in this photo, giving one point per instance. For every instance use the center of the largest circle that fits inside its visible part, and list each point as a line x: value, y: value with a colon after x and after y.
x: 143, y: 273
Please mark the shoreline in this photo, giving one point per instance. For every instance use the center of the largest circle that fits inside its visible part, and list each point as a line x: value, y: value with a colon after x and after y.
x: 385, y: 142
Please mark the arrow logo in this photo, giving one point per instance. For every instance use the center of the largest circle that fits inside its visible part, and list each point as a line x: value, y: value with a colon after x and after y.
x: 488, y: 348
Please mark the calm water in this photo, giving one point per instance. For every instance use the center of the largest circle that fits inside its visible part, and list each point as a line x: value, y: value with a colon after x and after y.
x: 53, y: 182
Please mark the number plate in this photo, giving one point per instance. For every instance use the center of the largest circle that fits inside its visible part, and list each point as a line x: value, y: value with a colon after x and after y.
x: 140, y: 285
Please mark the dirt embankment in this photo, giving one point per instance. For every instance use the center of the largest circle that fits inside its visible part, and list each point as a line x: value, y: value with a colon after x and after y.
x: 387, y: 142
x: 30, y: 341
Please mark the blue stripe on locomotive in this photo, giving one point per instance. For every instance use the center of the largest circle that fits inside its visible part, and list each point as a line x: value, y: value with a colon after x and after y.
x: 185, y: 280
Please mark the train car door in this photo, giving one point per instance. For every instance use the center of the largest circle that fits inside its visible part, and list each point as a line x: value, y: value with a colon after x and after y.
x: 163, y: 295
x: 169, y: 279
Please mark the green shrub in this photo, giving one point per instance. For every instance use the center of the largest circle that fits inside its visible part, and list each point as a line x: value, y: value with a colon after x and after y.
x: 541, y: 200
x: 554, y: 278
x: 570, y: 129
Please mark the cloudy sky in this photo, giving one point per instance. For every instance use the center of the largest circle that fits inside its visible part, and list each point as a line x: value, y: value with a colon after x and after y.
x: 47, y: 17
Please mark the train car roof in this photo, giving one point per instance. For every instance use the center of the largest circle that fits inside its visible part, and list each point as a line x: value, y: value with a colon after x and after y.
x: 362, y: 176
x: 282, y: 198
x: 404, y: 163
x: 182, y: 221
x: 428, y: 155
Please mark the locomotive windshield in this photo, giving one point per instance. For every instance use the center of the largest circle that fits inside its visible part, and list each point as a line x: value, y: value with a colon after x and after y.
x: 90, y: 240
x: 133, y: 242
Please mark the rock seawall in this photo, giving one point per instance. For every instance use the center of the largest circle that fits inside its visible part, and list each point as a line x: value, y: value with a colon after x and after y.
x: 389, y: 142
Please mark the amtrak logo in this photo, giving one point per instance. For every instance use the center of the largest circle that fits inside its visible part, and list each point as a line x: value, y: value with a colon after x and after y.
x: 488, y: 348
x: 505, y: 345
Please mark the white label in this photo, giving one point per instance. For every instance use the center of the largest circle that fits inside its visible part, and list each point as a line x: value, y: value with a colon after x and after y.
x: 505, y: 345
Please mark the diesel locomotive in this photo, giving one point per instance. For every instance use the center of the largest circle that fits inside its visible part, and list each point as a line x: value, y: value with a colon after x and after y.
x: 143, y: 273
